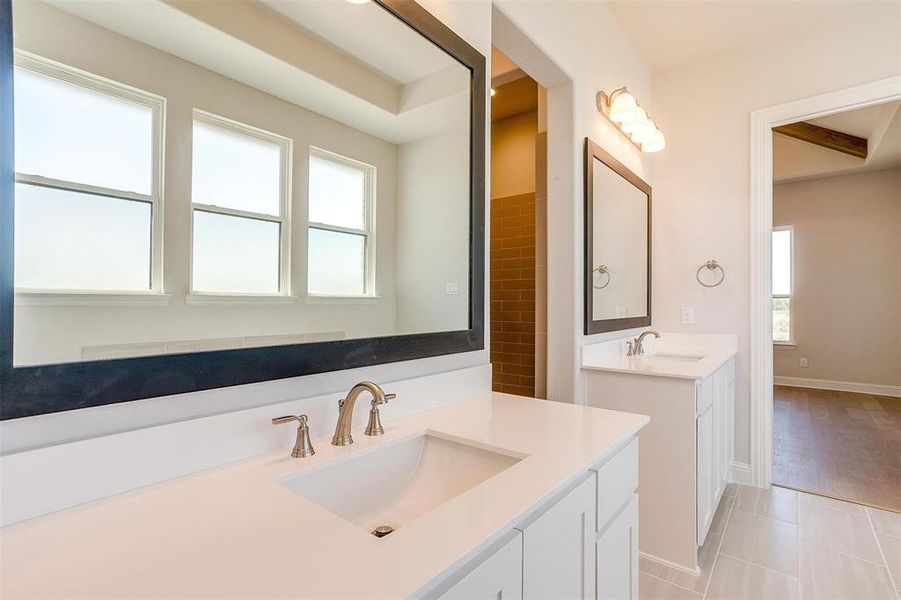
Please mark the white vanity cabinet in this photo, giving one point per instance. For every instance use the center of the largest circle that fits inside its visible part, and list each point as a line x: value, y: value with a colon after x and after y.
x: 581, y: 544
x: 686, y: 451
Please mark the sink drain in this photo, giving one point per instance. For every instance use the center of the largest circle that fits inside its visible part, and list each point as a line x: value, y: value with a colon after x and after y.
x: 382, y: 530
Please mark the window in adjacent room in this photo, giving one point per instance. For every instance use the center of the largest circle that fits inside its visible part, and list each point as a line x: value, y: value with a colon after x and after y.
x: 782, y: 284
x: 87, y: 182
x: 240, y: 205
x: 341, y: 244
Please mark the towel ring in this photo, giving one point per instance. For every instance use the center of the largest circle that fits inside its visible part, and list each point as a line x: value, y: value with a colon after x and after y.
x: 602, y: 269
x: 712, y: 265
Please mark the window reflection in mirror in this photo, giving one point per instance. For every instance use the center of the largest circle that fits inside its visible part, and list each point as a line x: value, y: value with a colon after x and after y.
x: 221, y: 189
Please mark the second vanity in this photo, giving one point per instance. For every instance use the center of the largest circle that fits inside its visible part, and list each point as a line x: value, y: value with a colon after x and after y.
x: 686, y: 383
x: 495, y: 495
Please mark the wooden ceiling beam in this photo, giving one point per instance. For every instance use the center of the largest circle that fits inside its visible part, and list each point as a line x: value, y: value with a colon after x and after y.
x: 827, y: 138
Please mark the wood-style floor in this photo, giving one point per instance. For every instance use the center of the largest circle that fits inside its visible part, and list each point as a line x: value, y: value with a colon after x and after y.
x: 839, y: 444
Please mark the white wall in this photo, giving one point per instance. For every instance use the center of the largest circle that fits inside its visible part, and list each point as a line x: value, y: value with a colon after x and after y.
x: 589, y: 52
x: 701, y: 181
x: 472, y: 21
x: 846, y: 283
x: 54, y: 334
x: 433, y: 234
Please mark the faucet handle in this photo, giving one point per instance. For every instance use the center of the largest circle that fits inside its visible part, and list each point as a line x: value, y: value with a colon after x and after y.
x: 376, y: 401
x: 303, y: 447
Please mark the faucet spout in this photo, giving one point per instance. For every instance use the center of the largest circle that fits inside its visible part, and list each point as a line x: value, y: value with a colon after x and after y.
x: 342, y: 435
x: 636, y: 349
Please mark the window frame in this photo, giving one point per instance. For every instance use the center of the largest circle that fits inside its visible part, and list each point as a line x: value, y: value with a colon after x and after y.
x: 286, y: 147
x: 126, y: 93
x: 791, y: 291
x: 370, y: 198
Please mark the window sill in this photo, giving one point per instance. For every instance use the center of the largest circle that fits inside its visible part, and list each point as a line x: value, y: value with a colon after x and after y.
x: 326, y: 299
x: 200, y: 299
x: 789, y: 344
x: 91, y: 299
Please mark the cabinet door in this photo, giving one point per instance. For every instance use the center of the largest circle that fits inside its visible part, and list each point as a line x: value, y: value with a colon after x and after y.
x: 499, y: 577
x: 719, y: 433
x: 705, y: 474
x: 724, y: 432
x: 617, y: 556
x: 558, y: 547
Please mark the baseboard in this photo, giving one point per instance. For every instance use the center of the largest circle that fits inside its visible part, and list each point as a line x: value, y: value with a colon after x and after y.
x: 741, y: 472
x: 840, y: 386
x: 662, y: 561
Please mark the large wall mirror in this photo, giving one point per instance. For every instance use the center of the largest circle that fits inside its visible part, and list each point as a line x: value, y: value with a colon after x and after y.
x: 203, y: 194
x: 617, y: 245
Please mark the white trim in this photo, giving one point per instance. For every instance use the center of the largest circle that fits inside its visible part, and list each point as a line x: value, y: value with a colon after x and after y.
x: 840, y: 386
x: 125, y: 93
x: 286, y: 151
x: 762, y: 122
x: 337, y: 299
x: 204, y: 299
x: 666, y: 563
x: 741, y: 472
x: 368, y: 232
x: 90, y: 299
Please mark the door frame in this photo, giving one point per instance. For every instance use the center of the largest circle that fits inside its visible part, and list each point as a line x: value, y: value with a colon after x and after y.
x: 762, y: 123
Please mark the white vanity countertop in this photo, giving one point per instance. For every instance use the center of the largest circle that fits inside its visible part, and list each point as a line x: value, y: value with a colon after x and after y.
x: 235, y: 531
x: 673, y: 355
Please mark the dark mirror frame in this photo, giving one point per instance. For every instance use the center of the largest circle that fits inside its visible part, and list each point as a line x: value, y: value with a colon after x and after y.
x: 593, y: 151
x: 35, y: 390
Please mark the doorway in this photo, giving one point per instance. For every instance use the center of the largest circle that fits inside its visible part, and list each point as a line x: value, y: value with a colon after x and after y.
x: 518, y: 239
x: 836, y: 284
x: 762, y: 316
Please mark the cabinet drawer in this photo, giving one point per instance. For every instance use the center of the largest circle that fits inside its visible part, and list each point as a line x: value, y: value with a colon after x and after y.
x: 617, y: 480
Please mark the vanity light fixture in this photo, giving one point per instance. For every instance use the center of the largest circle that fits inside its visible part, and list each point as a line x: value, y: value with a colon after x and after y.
x: 623, y: 111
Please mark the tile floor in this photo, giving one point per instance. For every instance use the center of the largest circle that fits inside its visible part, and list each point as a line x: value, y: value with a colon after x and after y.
x: 779, y: 543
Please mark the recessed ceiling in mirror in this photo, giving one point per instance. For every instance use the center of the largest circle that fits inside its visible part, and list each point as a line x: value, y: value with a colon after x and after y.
x: 196, y: 176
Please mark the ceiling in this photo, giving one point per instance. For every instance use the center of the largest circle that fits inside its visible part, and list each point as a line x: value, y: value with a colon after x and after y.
x: 514, y: 98
x: 880, y: 125
x: 668, y: 33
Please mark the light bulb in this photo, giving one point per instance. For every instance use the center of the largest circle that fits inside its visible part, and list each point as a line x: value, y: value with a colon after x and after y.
x: 655, y: 142
x: 644, y: 134
x: 358, y: 1
x: 639, y: 123
x: 623, y: 107
x: 493, y: 92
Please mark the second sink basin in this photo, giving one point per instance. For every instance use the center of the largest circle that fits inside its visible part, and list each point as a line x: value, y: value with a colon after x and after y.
x: 676, y: 357
x: 401, y: 481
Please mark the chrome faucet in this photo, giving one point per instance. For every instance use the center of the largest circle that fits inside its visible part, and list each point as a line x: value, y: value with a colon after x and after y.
x: 342, y: 435
x: 635, y: 347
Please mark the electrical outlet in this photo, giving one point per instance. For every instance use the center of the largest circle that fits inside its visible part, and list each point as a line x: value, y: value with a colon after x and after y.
x: 688, y: 315
x: 804, y: 362
x: 451, y: 288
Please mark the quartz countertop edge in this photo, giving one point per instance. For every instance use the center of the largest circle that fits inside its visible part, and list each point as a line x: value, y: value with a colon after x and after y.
x: 712, y: 359
x: 236, y: 532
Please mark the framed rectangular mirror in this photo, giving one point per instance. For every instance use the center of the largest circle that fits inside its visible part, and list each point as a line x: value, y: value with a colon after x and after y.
x: 204, y: 194
x: 617, y: 278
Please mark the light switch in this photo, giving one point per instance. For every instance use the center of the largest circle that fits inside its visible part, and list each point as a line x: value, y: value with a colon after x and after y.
x: 688, y: 315
x: 451, y: 288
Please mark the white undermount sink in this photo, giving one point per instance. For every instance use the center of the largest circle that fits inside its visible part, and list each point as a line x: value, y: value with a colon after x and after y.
x: 676, y: 357
x: 394, y: 484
